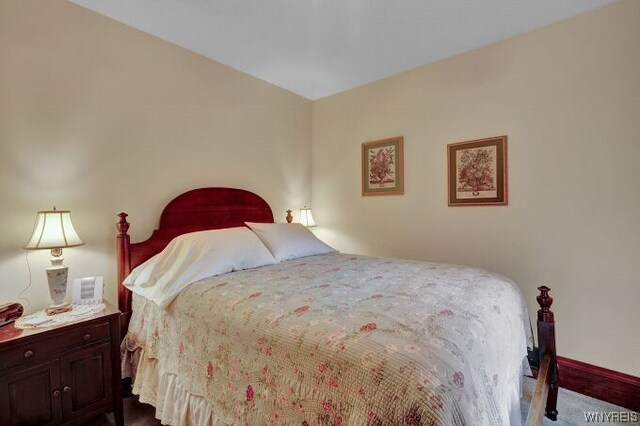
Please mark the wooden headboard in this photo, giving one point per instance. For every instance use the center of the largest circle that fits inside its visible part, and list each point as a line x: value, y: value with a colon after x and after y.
x: 196, y: 210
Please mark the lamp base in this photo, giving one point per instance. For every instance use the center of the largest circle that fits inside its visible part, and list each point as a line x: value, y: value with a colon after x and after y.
x: 58, y: 309
x: 57, y: 278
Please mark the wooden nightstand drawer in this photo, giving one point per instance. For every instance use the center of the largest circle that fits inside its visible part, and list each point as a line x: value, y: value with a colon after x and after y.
x: 54, y: 343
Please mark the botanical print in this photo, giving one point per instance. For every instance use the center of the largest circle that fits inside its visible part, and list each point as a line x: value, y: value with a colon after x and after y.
x: 339, y: 339
x: 476, y: 172
x: 382, y: 172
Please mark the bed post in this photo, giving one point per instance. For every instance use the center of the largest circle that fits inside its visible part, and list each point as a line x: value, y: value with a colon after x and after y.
x: 547, y: 345
x: 124, y: 268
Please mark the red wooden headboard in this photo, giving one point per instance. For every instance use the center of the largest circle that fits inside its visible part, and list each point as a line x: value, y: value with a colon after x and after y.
x: 196, y: 210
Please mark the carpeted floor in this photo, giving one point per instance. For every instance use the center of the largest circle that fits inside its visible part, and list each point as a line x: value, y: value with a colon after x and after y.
x: 571, y: 407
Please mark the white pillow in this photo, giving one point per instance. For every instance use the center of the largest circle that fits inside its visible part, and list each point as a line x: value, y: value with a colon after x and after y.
x: 191, y: 257
x: 289, y: 240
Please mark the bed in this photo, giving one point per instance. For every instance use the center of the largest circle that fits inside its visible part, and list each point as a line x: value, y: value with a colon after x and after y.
x: 330, y: 339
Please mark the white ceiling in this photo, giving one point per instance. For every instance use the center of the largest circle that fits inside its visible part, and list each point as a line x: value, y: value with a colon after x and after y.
x: 316, y: 48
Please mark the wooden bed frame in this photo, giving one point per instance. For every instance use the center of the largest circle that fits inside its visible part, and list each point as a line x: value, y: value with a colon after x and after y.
x: 217, y: 208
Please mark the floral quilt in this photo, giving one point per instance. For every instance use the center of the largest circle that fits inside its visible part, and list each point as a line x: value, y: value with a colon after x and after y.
x: 340, y: 339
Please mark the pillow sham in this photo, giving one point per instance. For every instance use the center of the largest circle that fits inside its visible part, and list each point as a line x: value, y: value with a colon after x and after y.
x: 191, y: 257
x: 288, y: 241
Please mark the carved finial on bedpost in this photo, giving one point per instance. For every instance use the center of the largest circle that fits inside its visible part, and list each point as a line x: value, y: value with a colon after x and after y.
x: 289, y: 216
x: 547, y: 346
x: 545, y: 301
x: 123, y: 225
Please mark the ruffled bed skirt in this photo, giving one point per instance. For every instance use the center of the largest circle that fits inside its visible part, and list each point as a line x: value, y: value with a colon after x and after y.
x: 174, y: 404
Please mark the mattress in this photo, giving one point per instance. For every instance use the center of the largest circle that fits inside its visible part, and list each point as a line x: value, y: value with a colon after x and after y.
x: 335, y: 339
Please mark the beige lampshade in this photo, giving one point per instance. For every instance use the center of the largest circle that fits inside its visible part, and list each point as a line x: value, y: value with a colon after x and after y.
x: 53, y: 229
x: 306, y: 218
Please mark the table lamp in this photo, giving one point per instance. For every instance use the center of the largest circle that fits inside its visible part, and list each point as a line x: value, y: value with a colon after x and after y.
x: 306, y: 218
x: 54, y: 230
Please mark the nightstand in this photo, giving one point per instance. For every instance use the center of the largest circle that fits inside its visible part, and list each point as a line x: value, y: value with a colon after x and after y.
x: 61, y: 375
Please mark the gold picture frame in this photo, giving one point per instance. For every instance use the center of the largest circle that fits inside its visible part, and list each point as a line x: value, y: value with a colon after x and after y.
x: 383, y: 167
x: 477, y: 172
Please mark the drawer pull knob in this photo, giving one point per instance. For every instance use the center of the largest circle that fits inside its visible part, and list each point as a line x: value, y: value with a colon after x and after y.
x: 56, y: 393
x: 66, y: 389
x: 28, y: 353
x: 86, y: 337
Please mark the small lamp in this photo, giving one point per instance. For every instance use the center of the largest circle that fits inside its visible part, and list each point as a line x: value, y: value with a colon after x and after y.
x: 306, y: 218
x: 54, y: 230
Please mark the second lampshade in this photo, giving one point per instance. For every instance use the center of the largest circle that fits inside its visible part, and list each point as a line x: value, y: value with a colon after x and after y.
x: 306, y: 218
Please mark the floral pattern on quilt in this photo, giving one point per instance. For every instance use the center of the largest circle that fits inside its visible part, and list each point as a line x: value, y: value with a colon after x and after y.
x: 340, y: 339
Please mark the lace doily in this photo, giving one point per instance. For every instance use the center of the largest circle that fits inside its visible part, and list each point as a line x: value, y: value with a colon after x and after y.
x: 41, y: 320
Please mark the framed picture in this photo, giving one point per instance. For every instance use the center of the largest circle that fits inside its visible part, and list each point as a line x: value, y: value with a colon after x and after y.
x: 382, y: 167
x: 478, y: 172
x: 87, y: 291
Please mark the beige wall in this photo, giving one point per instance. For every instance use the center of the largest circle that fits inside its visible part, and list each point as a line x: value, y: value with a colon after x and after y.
x: 97, y: 117
x: 568, y: 97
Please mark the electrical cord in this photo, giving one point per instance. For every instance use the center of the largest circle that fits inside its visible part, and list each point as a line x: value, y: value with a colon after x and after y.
x: 20, y: 295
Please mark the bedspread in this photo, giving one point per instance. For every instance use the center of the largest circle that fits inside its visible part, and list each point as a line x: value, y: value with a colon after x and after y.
x: 340, y: 339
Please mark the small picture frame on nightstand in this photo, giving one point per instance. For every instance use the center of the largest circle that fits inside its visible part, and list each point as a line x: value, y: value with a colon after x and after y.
x: 87, y: 291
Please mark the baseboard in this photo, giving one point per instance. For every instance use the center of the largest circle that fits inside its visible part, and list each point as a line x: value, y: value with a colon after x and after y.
x: 600, y: 383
